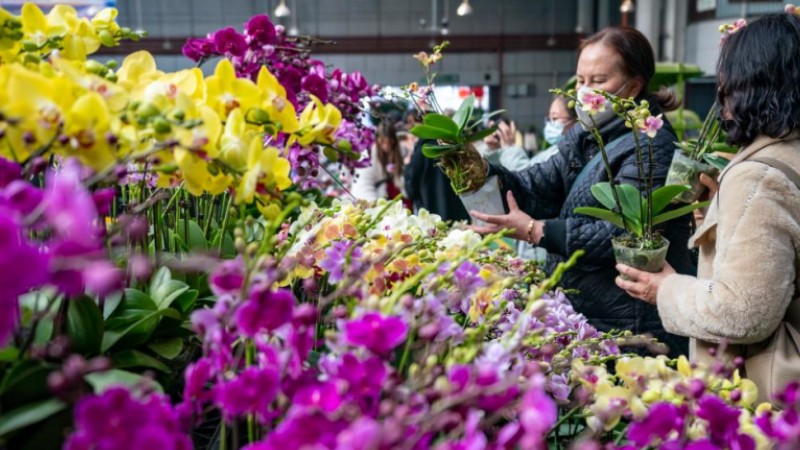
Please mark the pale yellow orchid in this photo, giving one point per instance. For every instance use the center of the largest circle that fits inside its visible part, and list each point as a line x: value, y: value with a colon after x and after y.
x: 277, y: 106
x: 226, y: 92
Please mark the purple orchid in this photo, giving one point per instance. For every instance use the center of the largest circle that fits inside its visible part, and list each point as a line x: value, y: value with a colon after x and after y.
x: 229, y: 42
x: 265, y: 310
x: 377, y: 333
x: 260, y: 31
x: 251, y: 392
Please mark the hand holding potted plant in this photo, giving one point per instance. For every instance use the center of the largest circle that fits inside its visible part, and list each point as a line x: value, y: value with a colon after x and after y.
x: 624, y: 205
x: 450, y: 141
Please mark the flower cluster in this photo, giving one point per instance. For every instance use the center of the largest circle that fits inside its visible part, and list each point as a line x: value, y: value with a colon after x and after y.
x: 729, y: 29
x: 263, y: 44
x: 116, y: 419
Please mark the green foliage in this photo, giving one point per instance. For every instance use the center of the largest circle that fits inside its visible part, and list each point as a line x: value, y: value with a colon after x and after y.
x: 634, y: 214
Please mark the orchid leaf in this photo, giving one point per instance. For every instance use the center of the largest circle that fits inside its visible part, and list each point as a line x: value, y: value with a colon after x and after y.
x: 675, y: 213
x: 602, y: 214
x: 464, y: 113
x: 429, y: 132
x: 440, y: 121
x: 436, y: 151
x: 481, y: 134
x: 664, y: 195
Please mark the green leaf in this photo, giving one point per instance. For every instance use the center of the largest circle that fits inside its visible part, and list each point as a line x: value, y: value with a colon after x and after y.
x: 664, y: 195
x: 29, y: 414
x: 675, y: 213
x: 196, y: 239
x: 429, y: 132
x: 162, y: 276
x: 464, y: 113
x: 724, y: 148
x: 165, y: 294
x: 330, y: 153
x: 602, y: 214
x: 138, y: 332
x: 135, y: 358
x: 481, y: 134
x: 440, y: 121
x: 167, y: 348
x: 603, y: 193
x: 716, y: 161
x: 24, y: 382
x: 101, y: 381
x: 436, y: 151
x: 632, y: 203
x: 486, y: 118
x: 111, y: 304
x: 8, y: 354
x: 84, y: 325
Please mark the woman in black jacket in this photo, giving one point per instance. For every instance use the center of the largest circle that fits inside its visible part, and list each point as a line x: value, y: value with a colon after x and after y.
x: 617, y: 60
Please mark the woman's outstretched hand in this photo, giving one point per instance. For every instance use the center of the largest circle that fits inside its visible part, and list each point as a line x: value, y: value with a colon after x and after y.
x: 516, y: 220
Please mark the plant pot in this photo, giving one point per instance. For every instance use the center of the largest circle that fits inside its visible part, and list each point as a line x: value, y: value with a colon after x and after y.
x: 487, y: 200
x: 686, y: 171
x: 629, y: 252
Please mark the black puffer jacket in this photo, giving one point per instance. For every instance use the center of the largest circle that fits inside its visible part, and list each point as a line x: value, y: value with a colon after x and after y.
x: 546, y: 192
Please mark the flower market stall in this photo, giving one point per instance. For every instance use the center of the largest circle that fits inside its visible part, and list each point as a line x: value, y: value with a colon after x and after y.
x: 174, y: 278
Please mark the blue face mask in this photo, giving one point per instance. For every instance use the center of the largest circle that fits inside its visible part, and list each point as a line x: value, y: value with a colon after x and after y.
x: 553, y: 131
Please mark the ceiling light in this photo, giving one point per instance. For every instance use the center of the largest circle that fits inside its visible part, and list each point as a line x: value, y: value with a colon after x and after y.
x: 282, y: 10
x: 464, y: 8
x: 627, y: 6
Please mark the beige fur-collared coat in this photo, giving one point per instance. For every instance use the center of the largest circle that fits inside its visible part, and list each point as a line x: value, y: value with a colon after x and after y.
x: 748, y: 268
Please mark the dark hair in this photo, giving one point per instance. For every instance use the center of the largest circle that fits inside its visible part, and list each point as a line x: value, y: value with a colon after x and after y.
x: 636, y: 56
x: 395, y: 157
x: 573, y: 115
x: 758, y: 72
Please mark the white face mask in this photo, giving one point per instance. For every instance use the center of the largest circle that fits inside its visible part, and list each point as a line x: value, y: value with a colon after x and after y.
x: 589, y: 121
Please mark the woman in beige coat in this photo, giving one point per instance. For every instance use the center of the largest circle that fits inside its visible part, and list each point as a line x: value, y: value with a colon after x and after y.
x: 748, y: 271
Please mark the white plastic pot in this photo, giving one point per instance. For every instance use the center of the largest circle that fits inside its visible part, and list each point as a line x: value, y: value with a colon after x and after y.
x: 487, y: 200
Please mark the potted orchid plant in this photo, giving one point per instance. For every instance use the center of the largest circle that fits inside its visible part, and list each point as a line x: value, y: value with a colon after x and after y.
x: 624, y: 205
x: 451, y: 142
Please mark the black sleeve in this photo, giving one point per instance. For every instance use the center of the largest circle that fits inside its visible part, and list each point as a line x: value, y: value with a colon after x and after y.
x: 539, y: 189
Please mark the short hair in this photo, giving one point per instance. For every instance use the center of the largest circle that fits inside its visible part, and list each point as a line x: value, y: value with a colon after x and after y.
x: 758, y: 73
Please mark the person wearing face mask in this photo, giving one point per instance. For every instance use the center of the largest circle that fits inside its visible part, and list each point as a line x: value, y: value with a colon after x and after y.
x: 541, y: 199
x: 747, y: 292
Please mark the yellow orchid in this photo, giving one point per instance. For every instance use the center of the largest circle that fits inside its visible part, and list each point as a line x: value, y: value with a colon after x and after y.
x: 37, y: 28
x: 277, y: 106
x: 105, y: 24
x: 318, y: 122
x: 115, y: 96
x: 196, y: 176
x: 137, y: 69
x: 203, y: 137
x: 79, y: 38
x: 88, y: 125
x: 8, y: 42
x: 39, y: 114
x: 236, y: 140
x: 226, y: 92
x: 266, y: 171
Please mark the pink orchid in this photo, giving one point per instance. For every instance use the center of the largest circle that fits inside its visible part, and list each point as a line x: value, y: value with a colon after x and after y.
x: 651, y: 126
x: 593, y: 103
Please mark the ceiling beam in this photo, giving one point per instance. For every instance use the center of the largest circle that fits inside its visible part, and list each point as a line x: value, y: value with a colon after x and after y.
x: 383, y: 44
